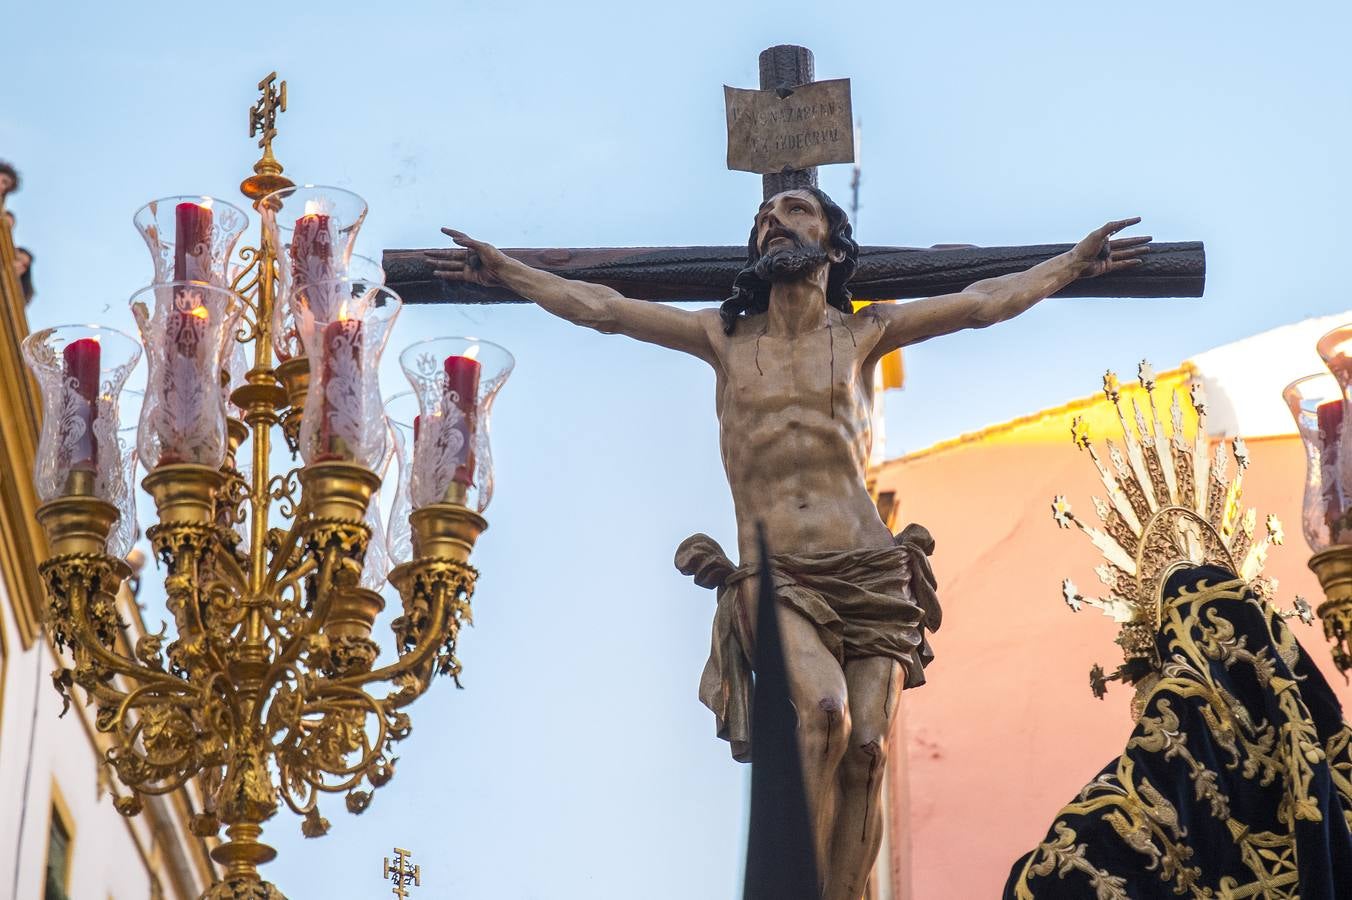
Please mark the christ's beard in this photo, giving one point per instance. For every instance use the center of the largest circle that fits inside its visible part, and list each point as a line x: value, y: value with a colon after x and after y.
x: 790, y: 265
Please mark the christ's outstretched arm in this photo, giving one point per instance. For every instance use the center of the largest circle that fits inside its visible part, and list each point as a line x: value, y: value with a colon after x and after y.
x: 997, y: 299
x: 580, y: 302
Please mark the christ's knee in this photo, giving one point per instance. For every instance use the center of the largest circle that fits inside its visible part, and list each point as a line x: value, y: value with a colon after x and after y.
x: 825, y: 730
x: 865, y: 760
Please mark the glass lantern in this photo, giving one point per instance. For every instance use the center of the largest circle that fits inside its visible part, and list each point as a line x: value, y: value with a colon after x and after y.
x: 344, y: 325
x: 187, y: 332
x: 190, y: 238
x: 1335, y: 348
x: 1316, y: 403
x: 81, y: 370
x: 315, y: 228
x: 401, y: 412
x: 455, y: 380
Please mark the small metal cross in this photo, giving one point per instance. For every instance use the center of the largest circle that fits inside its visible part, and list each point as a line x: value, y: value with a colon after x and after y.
x: 263, y: 114
x: 402, y: 873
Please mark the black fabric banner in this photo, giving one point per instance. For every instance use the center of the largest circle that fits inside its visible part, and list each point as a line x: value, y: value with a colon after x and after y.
x: 1236, y: 782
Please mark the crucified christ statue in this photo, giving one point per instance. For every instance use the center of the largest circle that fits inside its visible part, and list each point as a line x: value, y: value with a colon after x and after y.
x: 794, y: 367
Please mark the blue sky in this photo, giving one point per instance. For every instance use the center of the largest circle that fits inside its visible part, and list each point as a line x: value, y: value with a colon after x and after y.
x: 578, y: 762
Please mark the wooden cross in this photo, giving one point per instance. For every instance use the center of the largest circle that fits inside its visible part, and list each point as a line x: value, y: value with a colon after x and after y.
x: 402, y: 873
x: 697, y: 274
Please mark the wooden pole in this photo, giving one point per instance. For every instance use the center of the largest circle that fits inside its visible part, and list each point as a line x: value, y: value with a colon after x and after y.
x: 783, y: 68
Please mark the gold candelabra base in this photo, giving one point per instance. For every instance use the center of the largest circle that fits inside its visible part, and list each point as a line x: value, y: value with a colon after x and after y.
x: 339, y: 491
x: 1333, y: 567
x: 445, y: 532
x: 77, y: 524
x: 294, y: 374
x: 184, y: 493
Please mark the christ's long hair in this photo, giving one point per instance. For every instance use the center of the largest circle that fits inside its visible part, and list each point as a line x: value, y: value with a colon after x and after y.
x: 751, y: 293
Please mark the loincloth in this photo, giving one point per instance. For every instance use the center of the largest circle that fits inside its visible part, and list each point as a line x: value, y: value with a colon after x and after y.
x: 864, y: 603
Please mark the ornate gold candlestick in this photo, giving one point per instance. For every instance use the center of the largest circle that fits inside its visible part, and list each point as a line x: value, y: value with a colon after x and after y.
x: 267, y: 694
x: 1333, y: 567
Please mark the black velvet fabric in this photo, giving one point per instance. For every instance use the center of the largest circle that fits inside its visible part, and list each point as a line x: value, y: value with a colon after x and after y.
x: 1237, y: 779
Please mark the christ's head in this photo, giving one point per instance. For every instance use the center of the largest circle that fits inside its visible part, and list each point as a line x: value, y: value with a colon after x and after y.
x: 795, y: 234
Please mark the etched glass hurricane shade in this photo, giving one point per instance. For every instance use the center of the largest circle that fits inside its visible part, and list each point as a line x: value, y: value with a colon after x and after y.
x: 344, y: 326
x: 285, y: 336
x: 401, y: 412
x: 81, y: 370
x: 127, y: 528
x: 313, y: 229
x: 376, y: 565
x: 1316, y: 403
x: 455, y: 380
x: 190, y: 237
x: 1335, y: 348
x: 187, y: 328
x: 316, y: 226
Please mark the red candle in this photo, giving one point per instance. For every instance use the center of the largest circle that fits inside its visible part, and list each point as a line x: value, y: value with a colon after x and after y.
x: 192, y: 241
x: 341, y: 413
x: 1330, y: 418
x: 311, y: 247
x: 462, y: 391
x: 80, y: 362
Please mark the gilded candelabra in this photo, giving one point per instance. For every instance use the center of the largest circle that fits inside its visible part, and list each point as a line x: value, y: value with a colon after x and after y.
x: 268, y: 691
x: 1318, y: 403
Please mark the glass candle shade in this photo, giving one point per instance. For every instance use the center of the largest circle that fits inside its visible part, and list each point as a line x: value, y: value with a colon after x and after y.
x: 376, y: 565
x: 187, y: 328
x: 344, y: 325
x: 1316, y: 403
x: 235, y: 372
x: 190, y: 238
x: 1335, y: 348
x: 285, y: 336
x: 455, y: 380
x: 315, y: 227
x: 125, y: 531
x: 81, y: 370
x: 401, y: 412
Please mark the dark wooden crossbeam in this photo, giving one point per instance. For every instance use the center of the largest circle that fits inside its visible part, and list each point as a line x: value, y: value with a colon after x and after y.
x: 696, y: 274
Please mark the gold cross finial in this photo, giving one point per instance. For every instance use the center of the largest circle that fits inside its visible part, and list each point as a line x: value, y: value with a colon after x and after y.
x: 263, y: 114
x: 267, y: 175
x: 402, y: 873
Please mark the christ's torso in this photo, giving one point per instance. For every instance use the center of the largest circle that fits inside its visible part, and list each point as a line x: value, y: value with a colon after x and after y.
x: 795, y: 429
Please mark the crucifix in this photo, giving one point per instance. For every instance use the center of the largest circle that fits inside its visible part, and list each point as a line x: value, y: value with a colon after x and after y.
x: 794, y: 363
x: 402, y: 873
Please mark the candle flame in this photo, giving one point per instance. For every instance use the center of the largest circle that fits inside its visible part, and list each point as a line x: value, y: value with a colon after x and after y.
x: 342, y: 312
x: 206, y: 203
x: 313, y: 208
x: 198, y: 311
x: 472, y: 352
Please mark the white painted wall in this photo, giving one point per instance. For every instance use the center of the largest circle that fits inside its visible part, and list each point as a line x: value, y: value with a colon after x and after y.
x: 1244, y: 380
x: 106, y: 862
